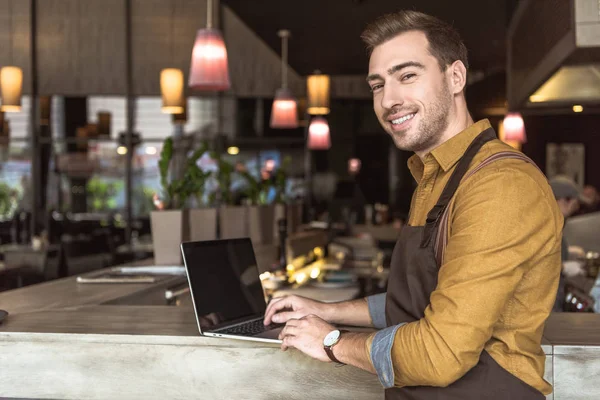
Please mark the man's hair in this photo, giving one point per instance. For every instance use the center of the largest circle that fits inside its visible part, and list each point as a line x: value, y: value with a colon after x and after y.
x: 445, y: 43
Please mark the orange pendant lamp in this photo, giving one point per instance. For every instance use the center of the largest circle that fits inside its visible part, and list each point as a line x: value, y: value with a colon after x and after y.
x: 317, y: 87
x: 171, y: 88
x: 209, y: 70
x: 11, y: 84
x: 284, y: 113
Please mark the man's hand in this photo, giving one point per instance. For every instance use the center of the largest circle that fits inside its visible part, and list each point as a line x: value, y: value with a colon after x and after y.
x: 307, y: 335
x: 300, y: 307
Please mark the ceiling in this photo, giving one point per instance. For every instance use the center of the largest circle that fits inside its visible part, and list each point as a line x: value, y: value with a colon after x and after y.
x: 326, y: 33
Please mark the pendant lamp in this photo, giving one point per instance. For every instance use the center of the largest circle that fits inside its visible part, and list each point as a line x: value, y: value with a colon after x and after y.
x: 318, y: 134
x: 512, y: 130
x: 208, y: 69
x: 11, y: 83
x: 11, y: 78
x: 317, y: 88
x: 354, y: 165
x: 284, y: 113
x: 171, y: 88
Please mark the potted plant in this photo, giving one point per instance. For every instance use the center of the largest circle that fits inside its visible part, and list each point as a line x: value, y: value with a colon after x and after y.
x: 261, y: 215
x: 171, y: 223
x: 283, y: 208
x: 233, y: 220
x: 203, y: 220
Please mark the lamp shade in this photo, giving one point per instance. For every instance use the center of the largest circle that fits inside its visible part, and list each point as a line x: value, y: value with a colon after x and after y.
x: 11, y: 84
x: 318, y: 134
x: 354, y: 165
x: 317, y: 87
x: 209, y: 69
x: 514, y: 128
x: 284, y: 113
x: 171, y: 88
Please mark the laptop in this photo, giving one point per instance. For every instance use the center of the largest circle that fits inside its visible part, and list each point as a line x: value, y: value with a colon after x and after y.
x: 226, y: 291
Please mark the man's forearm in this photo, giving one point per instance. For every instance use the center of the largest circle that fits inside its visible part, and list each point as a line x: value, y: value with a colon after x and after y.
x: 354, y: 312
x: 352, y: 350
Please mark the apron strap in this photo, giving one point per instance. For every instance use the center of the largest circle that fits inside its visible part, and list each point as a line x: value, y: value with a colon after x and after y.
x: 441, y: 237
x: 436, y: 212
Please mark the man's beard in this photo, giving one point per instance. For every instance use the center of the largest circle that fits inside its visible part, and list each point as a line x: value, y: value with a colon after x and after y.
x: 430, y: 127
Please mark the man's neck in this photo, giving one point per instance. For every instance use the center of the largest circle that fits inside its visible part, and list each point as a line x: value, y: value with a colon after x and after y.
x: 461, y: 121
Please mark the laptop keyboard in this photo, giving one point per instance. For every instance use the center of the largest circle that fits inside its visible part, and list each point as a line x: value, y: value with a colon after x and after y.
x: 250, y: 328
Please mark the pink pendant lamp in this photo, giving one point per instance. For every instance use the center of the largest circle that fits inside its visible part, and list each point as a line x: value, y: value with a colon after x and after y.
x: 354, y: 165
x: 514, y: 128
x: 284, y: 114
x: 318, y: 134
x: 208, y: 69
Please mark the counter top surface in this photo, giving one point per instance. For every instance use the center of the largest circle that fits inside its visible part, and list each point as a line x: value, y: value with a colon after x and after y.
x: 66, y: 292
x: 65, y: 307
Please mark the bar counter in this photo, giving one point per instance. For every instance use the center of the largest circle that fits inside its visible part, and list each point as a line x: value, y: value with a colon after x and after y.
x: 64, y: 340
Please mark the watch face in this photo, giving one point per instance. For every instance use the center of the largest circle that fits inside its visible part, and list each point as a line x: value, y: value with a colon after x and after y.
x: 331, y: 338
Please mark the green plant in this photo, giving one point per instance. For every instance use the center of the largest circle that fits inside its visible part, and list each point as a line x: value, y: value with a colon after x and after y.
x: 7, y: 200
x: 257, y: 190
x: 177, y: 191
x: 224, y: 180
x: 143, y: 198
x: 281, y: 179
x: 194, y: 177
x: 101, y: 195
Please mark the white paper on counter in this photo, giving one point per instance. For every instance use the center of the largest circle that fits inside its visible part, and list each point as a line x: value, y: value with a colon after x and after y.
x: 154, y: 269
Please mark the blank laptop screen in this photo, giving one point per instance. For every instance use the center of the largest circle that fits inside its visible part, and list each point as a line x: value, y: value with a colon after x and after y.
x: 224, y: 280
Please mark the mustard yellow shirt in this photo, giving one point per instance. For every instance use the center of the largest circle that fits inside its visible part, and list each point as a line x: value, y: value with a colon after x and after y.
x: 500, y: 272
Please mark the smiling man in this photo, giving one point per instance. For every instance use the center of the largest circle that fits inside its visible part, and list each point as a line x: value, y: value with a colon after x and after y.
x: 474, y: 274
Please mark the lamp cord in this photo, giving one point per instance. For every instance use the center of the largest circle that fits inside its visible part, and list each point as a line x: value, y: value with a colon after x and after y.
x: 284, y: 56
x: 173, y: 31
x: 10, y: 28
x: 209, y: 12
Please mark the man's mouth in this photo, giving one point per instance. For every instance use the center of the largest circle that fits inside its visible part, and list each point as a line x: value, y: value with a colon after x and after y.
x: 401, y: 120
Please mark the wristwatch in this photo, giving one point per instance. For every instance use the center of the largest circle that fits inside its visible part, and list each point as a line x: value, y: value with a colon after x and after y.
x: 331, y: 340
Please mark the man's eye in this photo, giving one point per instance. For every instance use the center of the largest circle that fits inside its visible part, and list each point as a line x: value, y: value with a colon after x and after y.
x: 408, y: 76
x: 374, y: 88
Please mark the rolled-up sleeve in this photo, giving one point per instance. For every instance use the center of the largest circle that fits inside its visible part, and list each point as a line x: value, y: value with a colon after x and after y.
x: 380, y: 349
x: 501, y: 222
x: 376, y: 305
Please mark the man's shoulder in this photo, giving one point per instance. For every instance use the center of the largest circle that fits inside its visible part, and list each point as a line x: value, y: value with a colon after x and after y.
x: 507, y: 182
x: 500, y: 167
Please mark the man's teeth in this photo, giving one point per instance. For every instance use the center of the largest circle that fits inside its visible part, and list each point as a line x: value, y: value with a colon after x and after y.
x: 403, y: 119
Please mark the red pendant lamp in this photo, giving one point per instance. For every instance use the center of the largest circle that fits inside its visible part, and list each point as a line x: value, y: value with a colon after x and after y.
x: 208, y: 69
x: 284, y: 113
x: 318, y: 134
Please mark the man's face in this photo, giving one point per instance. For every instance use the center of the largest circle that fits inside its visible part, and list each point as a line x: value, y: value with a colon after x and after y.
x: 411, y: 96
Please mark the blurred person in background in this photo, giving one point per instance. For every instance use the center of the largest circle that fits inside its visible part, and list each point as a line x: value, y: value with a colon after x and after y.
x: 569, y: 198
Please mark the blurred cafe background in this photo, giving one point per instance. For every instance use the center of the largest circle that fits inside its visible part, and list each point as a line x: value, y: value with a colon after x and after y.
x: 129, y: 126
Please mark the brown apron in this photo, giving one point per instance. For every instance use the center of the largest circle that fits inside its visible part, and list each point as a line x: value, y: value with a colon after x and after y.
x: 413, y: 277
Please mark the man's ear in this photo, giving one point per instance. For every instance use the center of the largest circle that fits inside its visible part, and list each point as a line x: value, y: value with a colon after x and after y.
x: 458, y: 76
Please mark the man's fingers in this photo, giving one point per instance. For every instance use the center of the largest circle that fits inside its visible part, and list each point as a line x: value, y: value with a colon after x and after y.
x: 277, y: 305
x: 289, y: 330
x: 285, y: 316
x: 288, y: 342
x: 274, y: 306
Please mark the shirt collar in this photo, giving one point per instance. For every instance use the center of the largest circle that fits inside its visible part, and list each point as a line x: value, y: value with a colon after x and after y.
x: 448, y: 153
